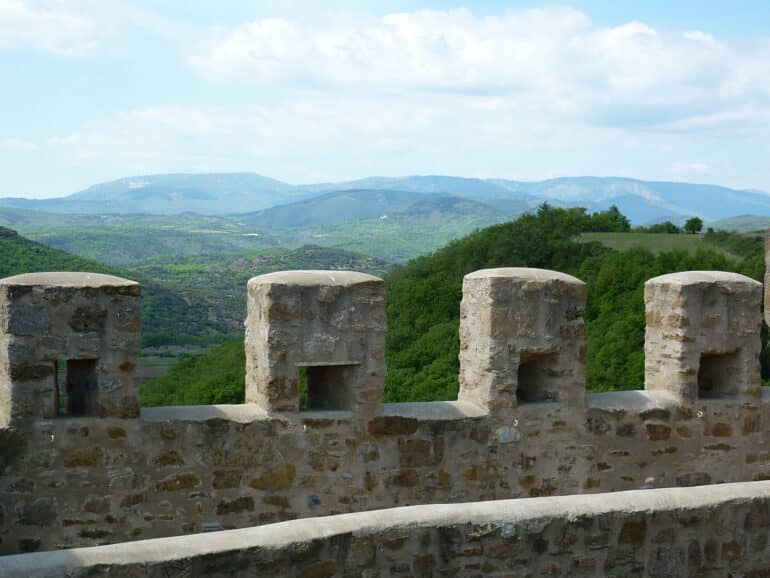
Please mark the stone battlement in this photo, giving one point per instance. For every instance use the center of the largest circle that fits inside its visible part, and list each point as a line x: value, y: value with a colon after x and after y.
x: 80, y: 465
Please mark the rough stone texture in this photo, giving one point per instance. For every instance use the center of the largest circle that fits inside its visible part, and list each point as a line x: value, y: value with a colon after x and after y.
x: 88, y: 321
x: 703, y: 335
x: 78, y: 481
x: 705, y: 531
x: 332, y: 323
x: 522, y: 339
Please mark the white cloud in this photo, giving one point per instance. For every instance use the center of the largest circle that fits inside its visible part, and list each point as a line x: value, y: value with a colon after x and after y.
x: 690, y: 168
x: 16, y: 145
x: 631, y: 74
x: 325, y: 135
x: 47, y: 26
x: 529, y: 95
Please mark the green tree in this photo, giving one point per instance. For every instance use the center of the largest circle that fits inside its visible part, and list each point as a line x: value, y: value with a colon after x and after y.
x: 609, y: 221
x: 694, y: 225
x: 664, y: 227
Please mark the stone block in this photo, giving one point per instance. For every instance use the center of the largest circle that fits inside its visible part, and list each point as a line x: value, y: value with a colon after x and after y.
x: 58, y: 336
x: 703, y: 335
x: 327, y: 325
x: 522, y: 339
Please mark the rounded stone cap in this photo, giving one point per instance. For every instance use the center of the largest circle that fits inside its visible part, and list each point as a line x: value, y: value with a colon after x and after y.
x: 314, y: 278
x: 702, y: 277
x: 67, y: 279
x: 525, y: 274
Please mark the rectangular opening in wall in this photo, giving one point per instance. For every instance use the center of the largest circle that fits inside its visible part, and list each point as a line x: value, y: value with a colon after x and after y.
x: 717, y: 375
x: 328, y: 386
x: 538, y: 378
x: 76, y: 387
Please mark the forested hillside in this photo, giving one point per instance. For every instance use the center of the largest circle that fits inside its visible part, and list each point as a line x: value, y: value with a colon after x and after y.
x: 167, y: 315
x: 424, y: 299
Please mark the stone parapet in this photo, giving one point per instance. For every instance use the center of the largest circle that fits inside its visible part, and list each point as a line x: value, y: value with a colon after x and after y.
x: 704, y: 531
x: 522, y: 339
x: 329, y: 326
x: 69, y: 345
x: 86, y: 479
x: 703, y: 335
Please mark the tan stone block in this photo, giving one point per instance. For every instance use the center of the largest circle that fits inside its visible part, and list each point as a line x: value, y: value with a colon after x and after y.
x: 279, y: 478
x: 522, y: 339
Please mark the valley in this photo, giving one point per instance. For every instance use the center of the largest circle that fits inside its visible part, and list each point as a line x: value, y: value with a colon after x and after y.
x: 193, y: 241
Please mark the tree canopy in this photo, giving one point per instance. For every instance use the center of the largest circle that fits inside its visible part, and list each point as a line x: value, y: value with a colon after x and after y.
x: 693, y: 225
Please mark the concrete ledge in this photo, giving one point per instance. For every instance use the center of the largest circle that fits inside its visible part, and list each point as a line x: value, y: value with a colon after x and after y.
x: 312, y: 278
x: 692, y: 277
x: 240, y: 413
x: 525, y: 273
x: 67, y: 279
x: 434, y: 410
x: 511, y: 519
x: 635, y: 400
x: 632, y: 401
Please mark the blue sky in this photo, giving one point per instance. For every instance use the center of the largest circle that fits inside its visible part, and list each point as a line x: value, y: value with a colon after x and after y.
x: 94, y: 90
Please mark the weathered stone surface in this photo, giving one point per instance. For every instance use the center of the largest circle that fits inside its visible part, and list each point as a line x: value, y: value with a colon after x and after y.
x: 169, y: 458
x: 38, y: 512
x: 177, y: 482
x: 329, y: 323
x: 236, y: 506
x: 181, y: 469
x: 658, y: 432
x: 224, y: 479
x: 89, y: 457
x: 393, y: 425
x: 522, y: 339
x: 702, y: 337
x: 660, y: 533
x: 278, y: 478
x: 86, y: 322
x: 27, y: 319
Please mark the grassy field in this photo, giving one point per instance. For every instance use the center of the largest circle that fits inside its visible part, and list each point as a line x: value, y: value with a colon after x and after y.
x: 655, y: 242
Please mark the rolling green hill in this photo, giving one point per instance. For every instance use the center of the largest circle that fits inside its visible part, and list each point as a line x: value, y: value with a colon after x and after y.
x: 742, y: 223
x: 132, y: 240
x: 331, y: 208
x: 125, y: 240
x: 168, y: 316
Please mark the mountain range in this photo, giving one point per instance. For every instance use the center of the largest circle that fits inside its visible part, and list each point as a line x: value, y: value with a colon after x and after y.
x: 267, y: 202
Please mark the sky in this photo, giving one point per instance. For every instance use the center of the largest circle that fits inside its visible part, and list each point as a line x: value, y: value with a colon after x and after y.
x: 95, y: 90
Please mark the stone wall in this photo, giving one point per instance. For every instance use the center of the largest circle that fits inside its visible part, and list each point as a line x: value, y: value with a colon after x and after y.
x: 523, y: 426
x: 665, y: 533
x: 69, y: 344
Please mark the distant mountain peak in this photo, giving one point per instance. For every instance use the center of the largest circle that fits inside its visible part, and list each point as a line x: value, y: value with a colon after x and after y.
x: 233, y: 193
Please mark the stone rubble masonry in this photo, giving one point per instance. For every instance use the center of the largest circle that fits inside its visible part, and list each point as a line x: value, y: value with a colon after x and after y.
x: 664, y: 533
x: 522, y: 427
x: 702, y: 326
x: 332, y: 323
x: 522, y: 339
x: 47, y: 318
